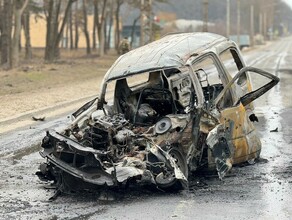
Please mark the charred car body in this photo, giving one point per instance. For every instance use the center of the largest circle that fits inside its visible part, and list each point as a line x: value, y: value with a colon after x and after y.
x: 178, y: 104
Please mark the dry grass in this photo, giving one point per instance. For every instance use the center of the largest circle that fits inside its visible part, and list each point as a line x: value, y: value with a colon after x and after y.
x: 36, y: 84
x: 36, y: 74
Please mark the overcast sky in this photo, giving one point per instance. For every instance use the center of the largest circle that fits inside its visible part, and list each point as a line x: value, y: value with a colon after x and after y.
x: 289, y: 2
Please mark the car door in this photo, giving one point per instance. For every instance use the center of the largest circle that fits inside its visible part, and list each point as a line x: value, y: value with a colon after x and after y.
x: 228, y: 134
x: 244, y: 141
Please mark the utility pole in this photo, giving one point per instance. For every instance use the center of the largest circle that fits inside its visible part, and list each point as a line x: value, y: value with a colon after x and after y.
x: 252, y: 24
x: 265, y: 25
x: 146, y: 35
x: 238, y: 22
x: 205, y: 24
x: 261, y: 23
x: 227, y: 18
x: 272, y: 17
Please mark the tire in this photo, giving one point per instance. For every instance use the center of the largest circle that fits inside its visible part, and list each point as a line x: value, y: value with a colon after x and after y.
x: 169, y: 181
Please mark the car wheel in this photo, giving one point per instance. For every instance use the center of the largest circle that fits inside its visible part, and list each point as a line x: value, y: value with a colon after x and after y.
x: 167, y: 180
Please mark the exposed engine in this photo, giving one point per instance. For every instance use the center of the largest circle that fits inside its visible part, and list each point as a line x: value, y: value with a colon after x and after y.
x: 100, y: 132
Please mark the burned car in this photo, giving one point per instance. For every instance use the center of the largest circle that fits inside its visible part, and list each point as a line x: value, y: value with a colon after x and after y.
x: 165, y: 110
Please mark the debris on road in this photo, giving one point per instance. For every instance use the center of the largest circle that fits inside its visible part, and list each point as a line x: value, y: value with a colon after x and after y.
x: 274, y: 130
x: 38, y: 118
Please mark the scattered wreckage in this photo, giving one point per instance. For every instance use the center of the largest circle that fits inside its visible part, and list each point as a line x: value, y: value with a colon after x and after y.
x: 175, y: 108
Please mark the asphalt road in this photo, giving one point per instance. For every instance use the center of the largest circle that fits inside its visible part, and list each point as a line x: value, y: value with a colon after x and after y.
x: 259, y: 191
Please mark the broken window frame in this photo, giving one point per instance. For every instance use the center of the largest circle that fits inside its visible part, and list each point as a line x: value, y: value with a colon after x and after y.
x: 237, y: 63
x: 223, y: 75
x: 236, y: 59
x: 251, y: 96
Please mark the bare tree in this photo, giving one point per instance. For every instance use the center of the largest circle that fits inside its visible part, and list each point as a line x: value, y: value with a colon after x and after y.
x: 54, y: 33
x: 35, y: 9
x: 19, y: 7
x: 6, y: 28
x: 26, y: 28
x: 85, y: 28
x: 1, y: 17
x: 101, y: 24
x: 110, y: 16
x: 117, y: 21
x: 53, y: 8
x: 6, y: 32
x: 76, y: 19
x: 95, y: 19
x: 1, y: 12
x: 70, y: 24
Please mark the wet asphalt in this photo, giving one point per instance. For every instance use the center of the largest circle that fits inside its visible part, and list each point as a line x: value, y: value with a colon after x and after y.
x: 259, y: 191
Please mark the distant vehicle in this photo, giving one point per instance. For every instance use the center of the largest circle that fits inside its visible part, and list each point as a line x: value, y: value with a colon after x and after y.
x: 175, y: 109
x: 244, y: 40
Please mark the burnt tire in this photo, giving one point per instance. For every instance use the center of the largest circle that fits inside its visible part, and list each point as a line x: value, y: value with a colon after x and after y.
x: 169, y: 182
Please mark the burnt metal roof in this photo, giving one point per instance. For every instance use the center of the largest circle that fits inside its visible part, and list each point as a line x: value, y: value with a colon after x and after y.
x: 170, y: 51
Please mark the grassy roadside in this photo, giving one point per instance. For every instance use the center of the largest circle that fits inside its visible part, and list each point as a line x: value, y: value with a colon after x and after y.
x: 35, y: 74
x: 49, y: 90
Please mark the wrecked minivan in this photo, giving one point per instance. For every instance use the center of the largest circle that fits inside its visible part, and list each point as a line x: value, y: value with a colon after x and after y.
x: 165, y: 110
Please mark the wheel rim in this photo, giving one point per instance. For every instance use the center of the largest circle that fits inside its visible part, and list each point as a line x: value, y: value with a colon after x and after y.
x: 168, y: 180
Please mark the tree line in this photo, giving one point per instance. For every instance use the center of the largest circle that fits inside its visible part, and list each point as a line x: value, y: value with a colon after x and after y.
x: 70, y: 16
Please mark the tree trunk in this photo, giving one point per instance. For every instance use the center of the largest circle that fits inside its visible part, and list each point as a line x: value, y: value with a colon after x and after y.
x: 95, y: 14
x: 117, y: 29
x: 109, y: 34
x: 49, y: 14
x: 105, y: 32
x: 52, y: 23
x: 76, y: 26
x: 54, y: 35
x: 26, y: 27
x: 6, y: 20
x: 71, y: 29
x: 101, y: 27
x: 67, y: 33
x: 97, y: 21
x: 1, y: 17
x: 14, y: 60
x: 55, y: 27
x: 85, y: 29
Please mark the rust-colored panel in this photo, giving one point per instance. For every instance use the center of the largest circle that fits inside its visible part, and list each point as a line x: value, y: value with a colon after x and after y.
x: 243, y: 135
